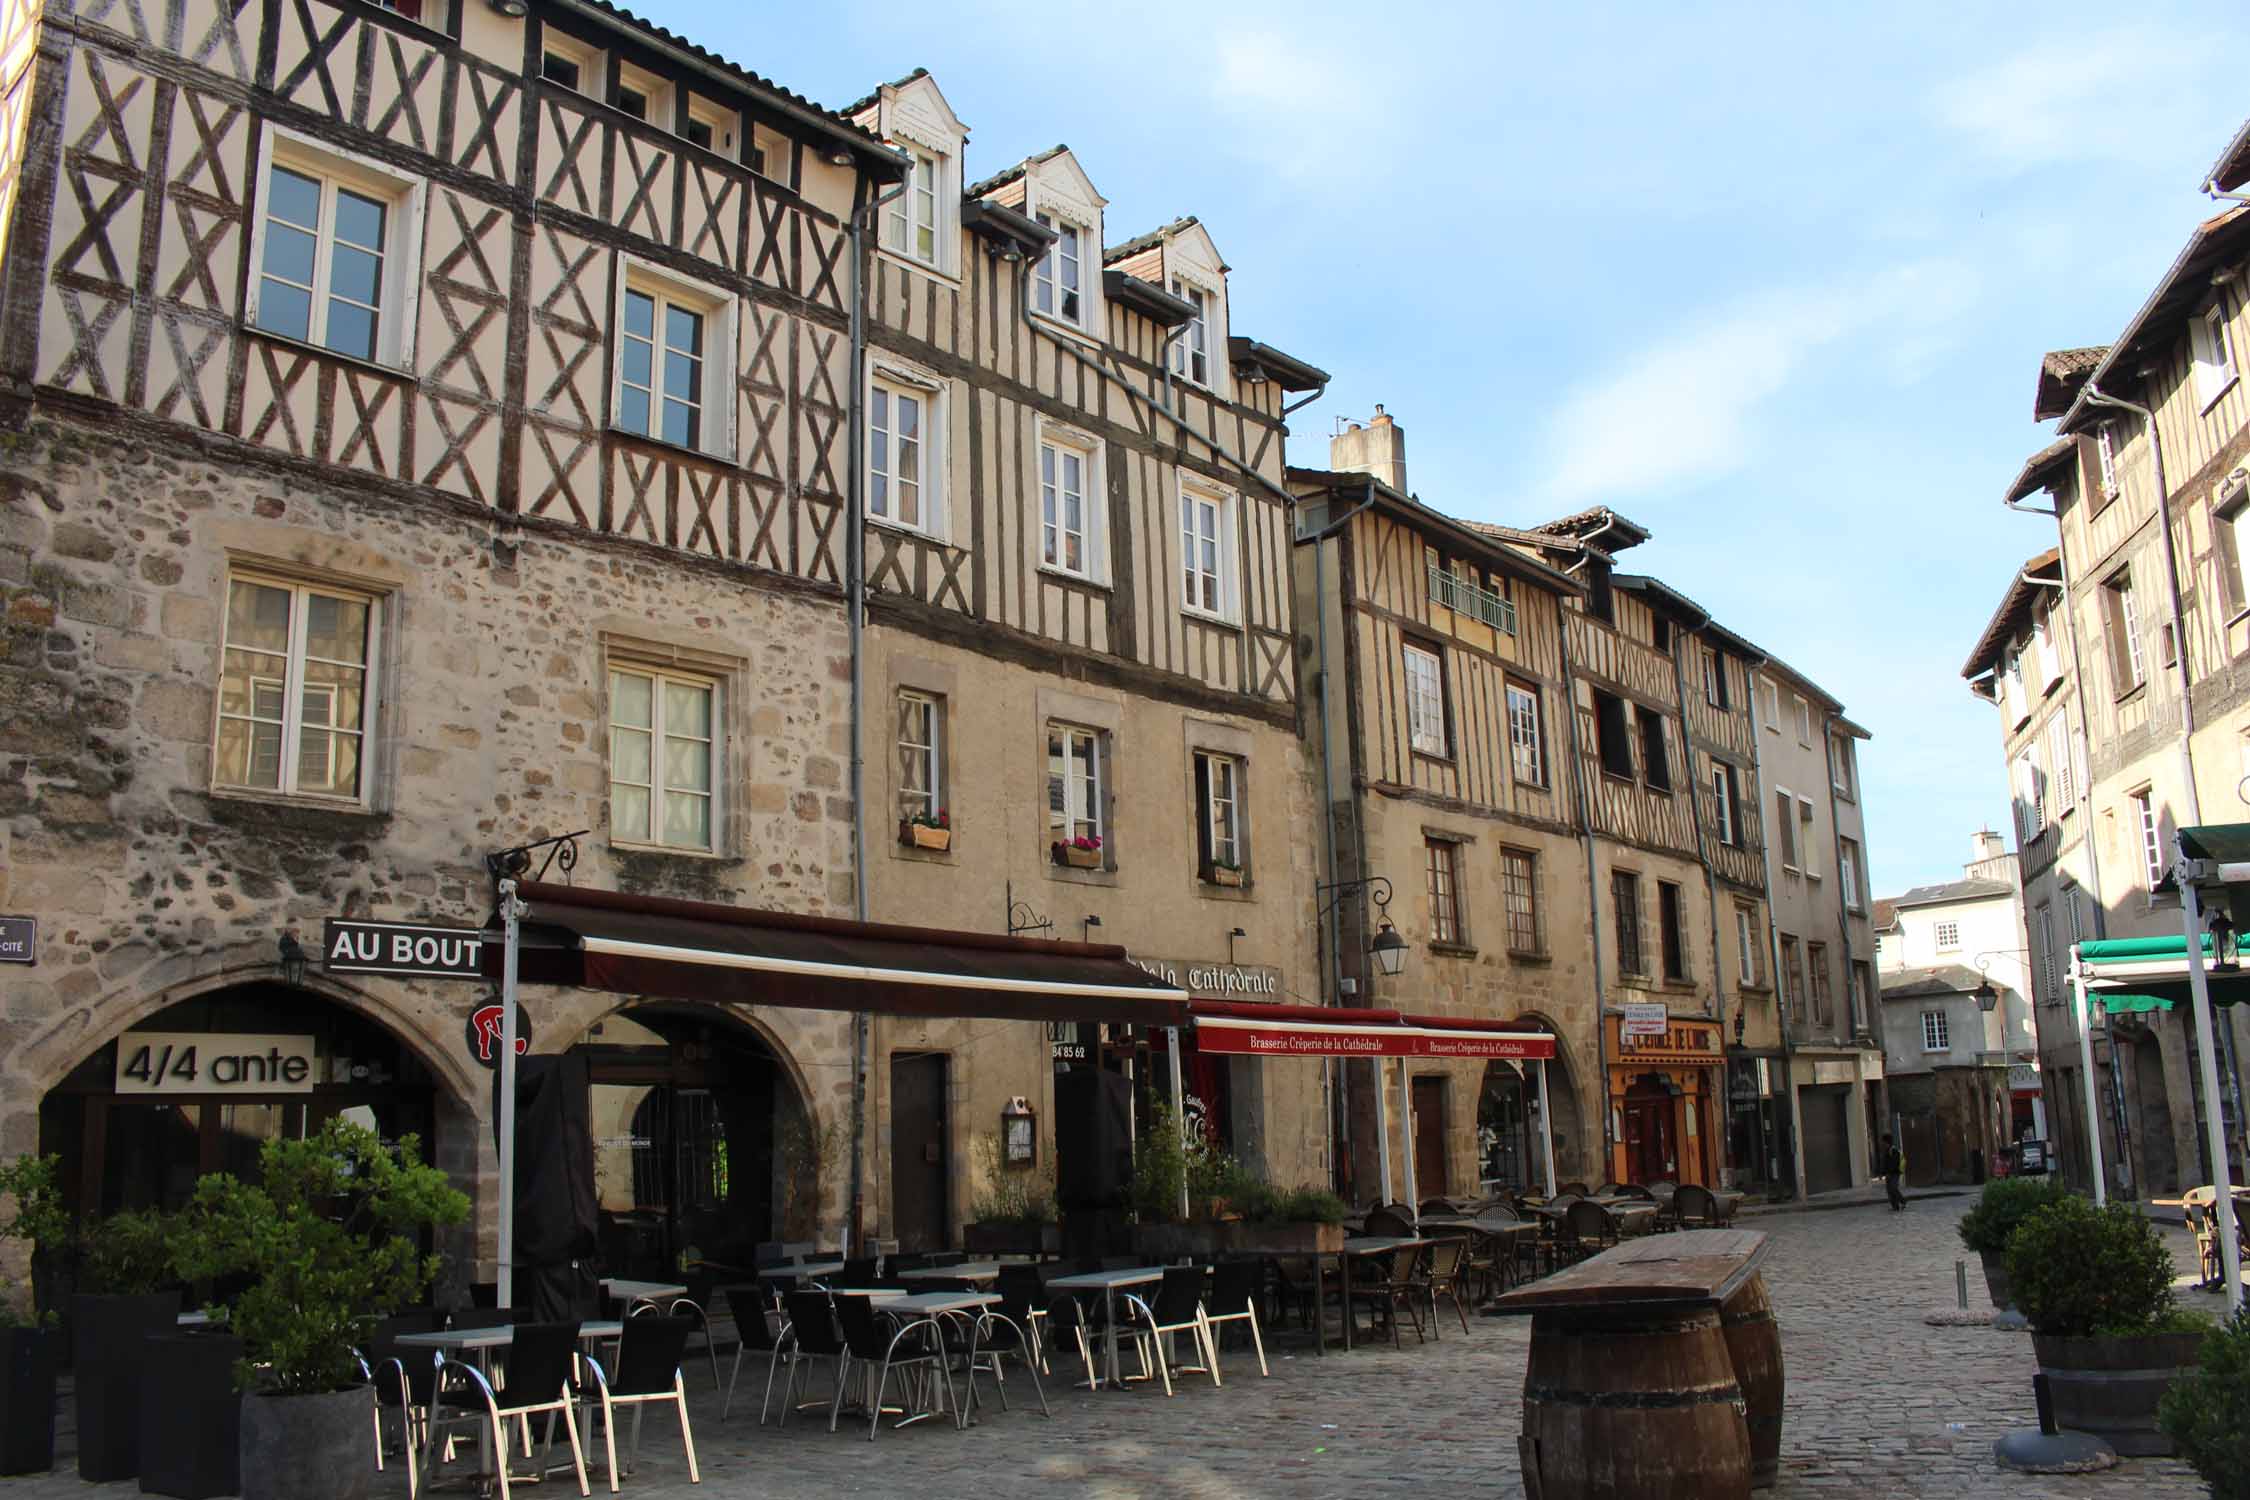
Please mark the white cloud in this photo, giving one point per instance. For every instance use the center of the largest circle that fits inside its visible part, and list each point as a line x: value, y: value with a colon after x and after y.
x: 2120, y: 96
x: 1299, y: 107
x: 1681, y: 410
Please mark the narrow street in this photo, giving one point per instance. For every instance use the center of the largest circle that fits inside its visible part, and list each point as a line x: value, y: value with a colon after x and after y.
x: 1880, y: 1403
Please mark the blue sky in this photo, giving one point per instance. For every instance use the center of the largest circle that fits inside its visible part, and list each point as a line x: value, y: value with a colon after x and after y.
x: 1774, y: 281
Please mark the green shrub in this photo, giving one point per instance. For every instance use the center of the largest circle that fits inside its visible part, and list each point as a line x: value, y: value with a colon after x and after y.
x: 2006, y: 1203
x: 128, y: 1254
x: 1160, y: 1166
x: 2077, y: 1270
x: 1010, y: 1195
x: 2207, y: 1411
x: 35, y: 1219
x: 1301, y: 1205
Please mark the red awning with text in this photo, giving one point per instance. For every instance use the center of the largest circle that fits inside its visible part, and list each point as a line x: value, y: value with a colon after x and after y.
x: 1319, y: 1031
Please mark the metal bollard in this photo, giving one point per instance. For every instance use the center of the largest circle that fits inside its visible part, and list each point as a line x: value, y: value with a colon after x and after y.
x: 1961, y: 1283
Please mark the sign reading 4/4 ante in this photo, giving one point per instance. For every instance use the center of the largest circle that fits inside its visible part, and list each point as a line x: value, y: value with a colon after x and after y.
x: 349, y: 947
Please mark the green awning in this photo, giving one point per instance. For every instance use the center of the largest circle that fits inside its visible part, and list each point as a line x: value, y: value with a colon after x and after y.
x: 2227, y: 843
x: 2120, y: 1004
x: 2151, y: 974
x: 2129, y: 950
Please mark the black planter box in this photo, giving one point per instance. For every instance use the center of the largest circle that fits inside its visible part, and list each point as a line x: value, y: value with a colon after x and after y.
x: 191, y: 1429
x: 107, y: 1365
x: 27, y: 1400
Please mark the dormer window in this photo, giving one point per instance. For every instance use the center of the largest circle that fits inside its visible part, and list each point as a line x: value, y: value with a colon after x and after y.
x: 1191, y: 355
x: 911, y: 226
x: 1055, y: 285
x: 632, y: 101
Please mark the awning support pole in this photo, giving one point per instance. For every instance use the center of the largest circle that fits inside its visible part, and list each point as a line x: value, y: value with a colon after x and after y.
x: 1406, y: 1143
x: 2207, y: 1069
x: 2086, y: 1071
x: 1546, y: 1127
x: 511, y: 914
x: 1382, y: 1130
x: 1179, y: 1108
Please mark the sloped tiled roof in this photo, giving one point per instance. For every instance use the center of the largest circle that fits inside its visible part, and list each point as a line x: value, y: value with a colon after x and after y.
x: 1006, y: 175
x: 1886, y: 915
x: 1598, y: 521
x: 2014, y: 613
x: 1951, y: 891
x: 1140, y: 242
x: 2216, y: 244
x: 869, y: 102
x: 1938, y: 979
x: 2233, y: 166
x: 2061, y: 373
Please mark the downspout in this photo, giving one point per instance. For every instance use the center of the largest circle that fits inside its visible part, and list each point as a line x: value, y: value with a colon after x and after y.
x: 855, y: 625
x: 1593, y: 893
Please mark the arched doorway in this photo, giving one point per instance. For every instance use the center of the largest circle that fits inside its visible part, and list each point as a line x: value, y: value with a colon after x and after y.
x: 200, y: 1086
x: 702, y: 1145
x: 1508, y: 1145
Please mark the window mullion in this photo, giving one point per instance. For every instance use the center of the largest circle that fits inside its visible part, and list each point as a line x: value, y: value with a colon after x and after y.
x: 293, y: 691
x: 656, y: 748
x: 324, y: 251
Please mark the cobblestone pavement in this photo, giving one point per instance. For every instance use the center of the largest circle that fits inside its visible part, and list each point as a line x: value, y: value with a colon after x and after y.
x: 1880, y: 1404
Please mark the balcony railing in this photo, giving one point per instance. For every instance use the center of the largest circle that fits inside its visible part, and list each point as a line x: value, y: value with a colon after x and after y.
x: 1463, y: 597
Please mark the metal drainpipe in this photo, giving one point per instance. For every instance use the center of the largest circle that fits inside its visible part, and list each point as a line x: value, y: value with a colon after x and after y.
x: 1593, y: 896
x: 2099, y: 397
x: 855, y: 617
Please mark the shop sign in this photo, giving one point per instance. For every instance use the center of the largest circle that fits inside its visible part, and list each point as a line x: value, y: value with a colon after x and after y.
x: 1682, y: 1042
x: 349, y: 947
x: 1215, y: 981
x: 213, y: 1062
x: 1832, y: 1070
x: 1645, y: 1020
x: 484, y: 1032
x: 1249, y: 1039
x: 19, y: 940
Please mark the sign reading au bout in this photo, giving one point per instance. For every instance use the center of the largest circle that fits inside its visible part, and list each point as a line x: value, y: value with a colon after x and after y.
x: 348, y: 947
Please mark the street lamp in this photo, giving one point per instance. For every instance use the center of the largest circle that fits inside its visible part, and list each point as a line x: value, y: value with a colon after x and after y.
x: 1988, y: 998
x: 1387, y: 948
x: 2226, y: 952
x: 292, y: 959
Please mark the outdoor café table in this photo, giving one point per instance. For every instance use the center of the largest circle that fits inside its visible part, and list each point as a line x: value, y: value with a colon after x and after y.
x: 985, y: 1271
x: 1655, y: 1370
x: 479, y: 1343
x: 1357, y: 1249
x: 922, y: 1305
x: 1108, y: 1283
x: 629, y: 1292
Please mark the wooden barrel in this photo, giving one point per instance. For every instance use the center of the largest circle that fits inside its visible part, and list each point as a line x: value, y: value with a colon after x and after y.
x: 1754, y: 1348
x: 1633, y: 1403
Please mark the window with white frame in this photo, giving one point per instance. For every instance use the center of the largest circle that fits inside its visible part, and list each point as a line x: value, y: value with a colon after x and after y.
x: 1936, y: 1036
x: 1206, y: 554
x: 1218, y: 797
x: 1785, y: 827
x: 1807, y: 838
x: 902, y: 477
x: 1714, y: 678
x: 711, y: 125
x: 1191, y: 351
x: 2227, y: 522
x: 1840, y: 765
x: 336, y: 241
x: 2105, y: 457
x: 2121, y: 609
x: 1074, y: 785
x: 910, y: 224
x: 663, y: 744
x: 296, y: 688
x: 673, y: 352
x: 1772, y: 702
x: 921, y: 755
x: 1519, y: 894
x: 1804, y: 722
x: 1069, y: 508
x: 1948, y: 937
x: 1722, y: 803
x: 1056, y: 283
x: 1746, y: 947
x: 1526, y: 748
x: 2152, y: 837
x: 1847, y: 872
x: 2214, y: 352
x: 1425, y: 700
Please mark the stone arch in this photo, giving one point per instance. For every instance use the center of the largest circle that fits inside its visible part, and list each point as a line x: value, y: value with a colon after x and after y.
x: 1584, y: 1091
x: 787, y: 1057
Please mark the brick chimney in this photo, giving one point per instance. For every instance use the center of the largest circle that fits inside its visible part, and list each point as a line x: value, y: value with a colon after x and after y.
x: 1378, y: 447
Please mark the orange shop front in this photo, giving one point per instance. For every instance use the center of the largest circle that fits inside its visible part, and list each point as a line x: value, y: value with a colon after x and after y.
x: 1663, y: 1094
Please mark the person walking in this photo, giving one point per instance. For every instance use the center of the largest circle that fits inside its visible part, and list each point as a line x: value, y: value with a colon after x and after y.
x: 1894, y: 1167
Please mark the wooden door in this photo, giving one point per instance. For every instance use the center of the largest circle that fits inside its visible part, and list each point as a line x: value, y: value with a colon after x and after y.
x: 919, y: 1168
x: 1650, y: 1153
x: 1431, y: 1179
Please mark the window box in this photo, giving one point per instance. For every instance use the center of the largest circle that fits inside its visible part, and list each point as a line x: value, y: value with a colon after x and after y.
x: 1224, y: 875
x: 1077, y: 856
x: 924, y: 836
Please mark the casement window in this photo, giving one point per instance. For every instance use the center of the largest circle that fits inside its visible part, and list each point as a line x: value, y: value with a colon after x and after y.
x: 1613, y: 735
x: 1526, y: 747
x: 1808, y: 838
x: 1218, y: 807
x: 674, y: 346
x: 296, y: 688
x: 1840, y: 765
x: 1207, y: 585
x: 1600, y: 603
x: 663, y: 744
x: 2227, y: 549
x: 1625, y: 899
x: 2214, y: 353
x: 1519, y: 892
x: 1936, y: 1035
x: 1714, y: 678
x: 1726, y: 804
x: 1442, y: 859
x: 1785, y: 827
x: 1948, y: 937
x: 1656, y: 759
x: 644, y: 96
x: 1069, y: 508
x: 910, y: 222
x: 1746, y: 947
x: 1425, y: 700
x: 2105, y: 457
x: 710, y: 126
x: 1660, y: 633
x: 2122, y: 613
x: 921, y: 754
x: 1191, y: 351
x: 903, y: 472
x: 569, y: 63
x: 1056, y: 288
x: 1804, y: 722
x: 1847, y: 872
x: 1671, y: 930
x: 1863, y: 993
x: 1770, y: 697
x: 1074, y: 784
x: 2152, y: 838
x: 1793, y: 976
x: 335, y: 253
x: 1823, y: 998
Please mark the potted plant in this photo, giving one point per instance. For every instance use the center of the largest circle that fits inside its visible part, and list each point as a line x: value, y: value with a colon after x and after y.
x: 1014, y: 1211
x: 1277, y: 1221
x: 128, y: 1288
x: 36, y: 1222
x: 927, y: 830
x: 328, y: 1240
x: 1081, y: 853
x: 2005, y: 1204
x: 1224, y: 872
x: 2096, y: 1285
x: 2206, y: 1413
x: 1164, y: 1169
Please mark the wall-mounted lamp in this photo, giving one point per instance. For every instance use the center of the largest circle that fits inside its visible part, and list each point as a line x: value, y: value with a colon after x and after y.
x: 292, y: 959
x: 2226, y: 952
x: 514, y: 10
x: 839, y: 155
x: 1086, y: 927
x: 1389, y: 950
x: 1231, y: 936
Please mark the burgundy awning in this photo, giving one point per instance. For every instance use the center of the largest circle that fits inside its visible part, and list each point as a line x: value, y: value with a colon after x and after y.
x: 700, y: 950
x: 1331, y: 1031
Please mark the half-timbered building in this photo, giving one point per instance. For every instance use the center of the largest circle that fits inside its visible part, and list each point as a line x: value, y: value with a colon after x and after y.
x: 1446, y: 753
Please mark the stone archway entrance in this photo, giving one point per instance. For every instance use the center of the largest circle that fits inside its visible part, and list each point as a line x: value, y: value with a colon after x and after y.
x: 703, y: 1146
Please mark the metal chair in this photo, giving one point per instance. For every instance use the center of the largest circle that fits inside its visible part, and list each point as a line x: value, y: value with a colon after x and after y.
x: 1025, y: 1287
x: 403, y: 1378
x: 1178, y: 1309
x: 754, y: 1330
x: 811, y: 1335
x: 648, y: 1372
x: 1009, y: 1328
x: 538, y: 1381
x: 870, y: 1344
x: 1235, y: 1285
